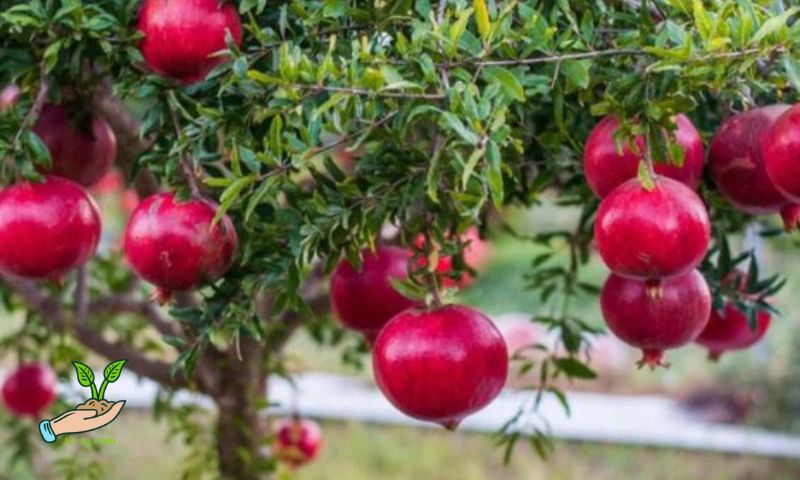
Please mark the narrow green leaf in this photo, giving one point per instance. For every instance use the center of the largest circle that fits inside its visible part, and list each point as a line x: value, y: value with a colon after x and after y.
x: 507, y: 81
x: 482, y: 18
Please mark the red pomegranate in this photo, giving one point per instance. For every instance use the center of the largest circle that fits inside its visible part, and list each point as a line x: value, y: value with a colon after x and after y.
x: 476, y: 254
x: 730, y: 329
x: 297, y: 441
x: 791, y: 217
x: 672, y: 317
x: 606, y: 167
x: 781, y: 153
x: 652, y: 234
x: 182, y: 36
x: 9, y: 96
x: 364, y: 300
x: 82, y: 149
x: 440, y: 365
x: 47, y: 228
x: 736, y: 164
x: 174, y: 245
x: 29, y: 390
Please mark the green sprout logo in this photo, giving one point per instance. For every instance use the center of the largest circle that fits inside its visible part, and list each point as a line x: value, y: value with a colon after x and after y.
x: 94, y: 413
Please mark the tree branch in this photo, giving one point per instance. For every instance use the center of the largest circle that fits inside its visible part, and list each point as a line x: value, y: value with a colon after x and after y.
x: 130, y: 304
x: 365, y: 92
x: 50, y: 307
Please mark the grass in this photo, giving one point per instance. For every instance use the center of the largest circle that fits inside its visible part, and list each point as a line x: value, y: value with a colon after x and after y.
x: 354, y: 451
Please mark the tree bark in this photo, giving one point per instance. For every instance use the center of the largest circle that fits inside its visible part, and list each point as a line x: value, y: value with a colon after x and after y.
x: 241, y: 430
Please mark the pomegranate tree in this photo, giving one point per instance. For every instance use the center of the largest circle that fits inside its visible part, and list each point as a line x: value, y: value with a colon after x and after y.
x: 181, y: 37
x: 442, y: 364
x: 82, y: 149
x: 652, y: 233
x: 607, y: 166
x: 460, y: 119
x: 364, y: 299
x: 656, y: 321
x: 176, y: 246
x: 298, y: 441
x: 29, y: 390
x: 47, y: 228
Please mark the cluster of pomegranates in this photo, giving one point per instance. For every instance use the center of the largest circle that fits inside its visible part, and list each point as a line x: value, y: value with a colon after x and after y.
x: 438, y: 364
x: 652, y: 237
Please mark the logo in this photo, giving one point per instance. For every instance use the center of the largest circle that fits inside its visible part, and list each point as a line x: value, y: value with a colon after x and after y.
x: 94, y: 413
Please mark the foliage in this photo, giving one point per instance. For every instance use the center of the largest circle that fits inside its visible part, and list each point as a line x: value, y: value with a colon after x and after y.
x: 457, y: 110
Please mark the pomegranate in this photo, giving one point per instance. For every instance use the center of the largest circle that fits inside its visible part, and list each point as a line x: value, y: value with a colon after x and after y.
x: 440, y: 365
x: 9, y: 96
x: 652, y: 234
x: 47, y: 228
x: 476, y: 254
x: 654, y: 322
x: 174, y: 245
x: 82, y: 151
x: 730, y: 329
x: 182, y: 36
x: 736, y: 163
x: 297, y: 441
x: 790, y: 214
x: 606, y: 167
x: 781, y: 153
x: 364, y: 300
x: 29, y: 390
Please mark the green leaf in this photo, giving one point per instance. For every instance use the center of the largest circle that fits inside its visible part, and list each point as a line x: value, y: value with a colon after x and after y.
x: 231, y: 194
x: 472, y: 162
x: 576, y: 73
x: 574, y: 368
x: 792, y: 68
x: 453, y: 123
x: 37, y: 148
x: 773, y: 25
x: 113, y: 371
x: 507, y: 81
x: 494, y: 175
x: 457, y: 29
x: 85, y: 374
x: 482, y: 18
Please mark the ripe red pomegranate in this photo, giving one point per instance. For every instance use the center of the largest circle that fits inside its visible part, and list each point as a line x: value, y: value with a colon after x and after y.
x: 440, y: 365
x: 652, y: 234
x: 606, y: 168
x: 29, y: 390
x: 47, y: 228
x: 297, y: 441
x: 781, y: 153
x: 672, y: 317
x: 182, y: 36
x: 736, y: 164
x: 730, y: 329
x: 364, y: 300
x: 82, y: 150
x: 476, y: 254
x: 9, y: 96
x: 790, y: 214
x: 174, y: 246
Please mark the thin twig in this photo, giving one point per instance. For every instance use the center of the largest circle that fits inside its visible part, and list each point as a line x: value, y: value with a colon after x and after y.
x: 368, y: 93
x: 81, y: 295
x: 346, y: 138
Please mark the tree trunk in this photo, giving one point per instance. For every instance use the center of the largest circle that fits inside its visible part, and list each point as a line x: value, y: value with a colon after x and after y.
x: 241, y: 430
